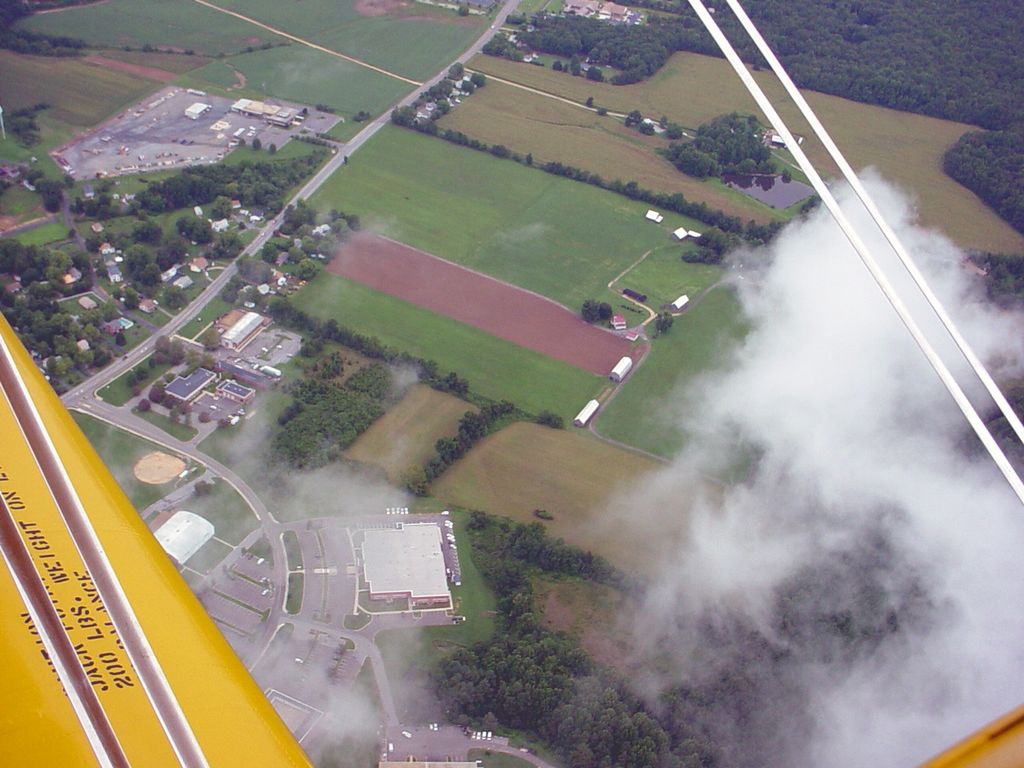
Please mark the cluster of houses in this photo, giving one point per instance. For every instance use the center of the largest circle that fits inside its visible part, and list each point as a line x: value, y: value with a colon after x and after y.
x: 603, y: 11
x: 426, y: 110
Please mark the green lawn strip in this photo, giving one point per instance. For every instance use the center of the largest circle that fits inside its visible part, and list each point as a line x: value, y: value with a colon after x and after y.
x: 17, y: 201
x: 496, y: 759
x: 291, y: 548
x: 558, y: 237
x: 301, y: 74
x: 646, y: 411
x: 494, y: 367
x: 119, y: 451
x: 41, y: 235
x: 223, y: 506
x: 118, y: 392
x: 179, y: 23
x: 182, y: 432
x: 293, y: 603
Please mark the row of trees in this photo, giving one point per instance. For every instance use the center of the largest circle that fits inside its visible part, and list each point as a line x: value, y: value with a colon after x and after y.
x: 732, y: 226
x: 919, y: 57
x: 255, y: 184
x: 728, y: 144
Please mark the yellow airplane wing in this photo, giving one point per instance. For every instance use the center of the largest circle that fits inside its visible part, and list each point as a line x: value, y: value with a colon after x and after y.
x: 109, y: 659
x: 998, y: 745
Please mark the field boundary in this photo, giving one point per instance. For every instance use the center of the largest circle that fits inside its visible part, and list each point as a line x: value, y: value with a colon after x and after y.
x: 308, y: 44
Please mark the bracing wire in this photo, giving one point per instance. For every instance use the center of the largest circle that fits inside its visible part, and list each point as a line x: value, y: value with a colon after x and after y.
x: 950, y: 383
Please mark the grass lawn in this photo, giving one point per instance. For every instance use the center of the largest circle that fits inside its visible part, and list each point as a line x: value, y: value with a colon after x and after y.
x: 292, y: 550
x: 664, y: 277
x: 209, y: 556
x: 223, y: 506
x: 406, y: 434
x: 558, y: 237
x: 41, y: 235
x: 175, y: 429
x: 414, y: 40
x: 301, y: 74
x: 119, y: 451
x: 78, y: 93
x: 213, y: 309
x: 569, y: 473
x: 172, y: 23
x: 645, y: 412
x: 553, y: 130
x: 692, y: 89
x: 118, y: 392
x: 20, y: 204
x: 494, y: 367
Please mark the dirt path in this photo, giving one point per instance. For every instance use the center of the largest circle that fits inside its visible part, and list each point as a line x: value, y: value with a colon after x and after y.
x: 239, y: 78
x: 539, y: 92
x: 308, y: 44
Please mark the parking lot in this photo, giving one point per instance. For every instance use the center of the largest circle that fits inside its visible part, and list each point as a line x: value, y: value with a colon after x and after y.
x: 156, y: 134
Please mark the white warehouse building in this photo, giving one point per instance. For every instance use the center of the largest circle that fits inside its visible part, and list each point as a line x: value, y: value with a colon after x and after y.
x: 621, y: 369
x: 588, y: 411
x: 197, y: 110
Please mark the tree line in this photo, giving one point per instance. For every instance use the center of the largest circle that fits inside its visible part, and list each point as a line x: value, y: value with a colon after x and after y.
x: 991, y: 164
x: 536, y: 680
x: 732, y: 227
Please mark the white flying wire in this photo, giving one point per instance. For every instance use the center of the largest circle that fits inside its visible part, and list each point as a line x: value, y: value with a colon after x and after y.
x: 858, y: 244
x: 890, y: 235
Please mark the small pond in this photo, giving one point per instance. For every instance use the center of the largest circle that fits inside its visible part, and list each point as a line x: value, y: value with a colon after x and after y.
x: 773, y: 190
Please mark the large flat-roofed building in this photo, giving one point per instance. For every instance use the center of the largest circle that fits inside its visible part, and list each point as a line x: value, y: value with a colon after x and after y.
x: 184, y: 534
x: 254, y: 108
x: 232, y: 390
x: 244, y: 329
x: 187, y: 388
x: 406, y: 562
x: 197, y: 110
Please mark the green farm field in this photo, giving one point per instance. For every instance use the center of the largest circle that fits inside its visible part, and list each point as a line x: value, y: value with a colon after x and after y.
x: 551, y: 129
x: 664, y: 277
x: 177, y: 63
x: 567, y: 472
x: 119, y: 451
x: 413, y: 40
x: 301, y: 74
x: 907, y: 149
x: 181, y: 24
x: 646, y: 410
x: 551, y: 235
x: 494, y: 367
x: 18, y: 205
x: 405, y: 435
x: 78, y: 93
x: 42, y: 235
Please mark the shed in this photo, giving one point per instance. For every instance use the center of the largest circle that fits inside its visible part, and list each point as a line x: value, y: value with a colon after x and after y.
x: 621, y: 369
x: 680, y: 234
x: 693, y: 233
x: 681, y: 302
x: 585, y: 415
x: 197, y: 110
x: 654, y: 216
x: 618, y: 322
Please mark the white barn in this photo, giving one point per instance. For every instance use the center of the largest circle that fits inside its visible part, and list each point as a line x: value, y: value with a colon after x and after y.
x: 584, y: 416
x: 680, y: 234
x: 184, y: 534
x: 654, y: 216
x: 621, y: 369
x: 681, y: 302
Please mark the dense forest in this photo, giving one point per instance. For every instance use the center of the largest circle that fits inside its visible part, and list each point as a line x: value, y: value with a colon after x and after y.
x: 748, y: 708
x: 991, y: 164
